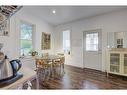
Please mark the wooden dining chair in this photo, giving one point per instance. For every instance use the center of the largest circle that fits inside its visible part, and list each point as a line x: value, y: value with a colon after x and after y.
x: 62, y: 59
x: 43, y: 69
x: 58, y: 66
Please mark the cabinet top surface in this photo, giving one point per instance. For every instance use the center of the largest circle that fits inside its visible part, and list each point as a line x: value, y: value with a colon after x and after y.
x: 118, y: 50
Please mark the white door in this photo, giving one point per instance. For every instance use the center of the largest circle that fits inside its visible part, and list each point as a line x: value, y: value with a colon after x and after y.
x: 92, y: 49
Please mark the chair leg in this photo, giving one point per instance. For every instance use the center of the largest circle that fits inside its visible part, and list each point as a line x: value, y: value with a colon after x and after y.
x: 51, y: 72
x: 54, y: 71
x: 44, y: 75
x: 48, y: 73
x: 63, y: 69
x: 60, y: 70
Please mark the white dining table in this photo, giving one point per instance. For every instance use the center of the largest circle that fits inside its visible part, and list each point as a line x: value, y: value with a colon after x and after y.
x: 49, y: 57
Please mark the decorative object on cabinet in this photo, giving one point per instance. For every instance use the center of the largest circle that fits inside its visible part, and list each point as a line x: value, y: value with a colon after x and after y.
x: 117, y: 39
x: 46, y: 41
x: 117, y: 62
x: 119, y: 43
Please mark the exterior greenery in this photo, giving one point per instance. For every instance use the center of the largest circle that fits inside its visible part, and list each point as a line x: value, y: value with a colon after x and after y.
x: 26, y: 38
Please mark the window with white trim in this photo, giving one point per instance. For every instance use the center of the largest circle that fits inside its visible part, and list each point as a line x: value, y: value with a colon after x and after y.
x: 26, y: 44
x: 66, y: 41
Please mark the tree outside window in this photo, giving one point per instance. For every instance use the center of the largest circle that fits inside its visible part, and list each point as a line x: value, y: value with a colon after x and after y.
x: 26, y: 38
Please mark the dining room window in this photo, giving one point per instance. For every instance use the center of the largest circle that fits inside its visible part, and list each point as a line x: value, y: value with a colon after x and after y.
x: 66, y: 41
x: 26, y: 43
x: 92, y: 41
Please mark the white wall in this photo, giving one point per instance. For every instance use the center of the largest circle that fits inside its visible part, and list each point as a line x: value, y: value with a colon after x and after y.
x: 11, y: 42
x: 111, y: 22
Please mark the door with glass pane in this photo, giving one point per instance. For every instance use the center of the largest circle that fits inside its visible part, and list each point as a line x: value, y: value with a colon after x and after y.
x: 115, y: 62
x: 92, y: 49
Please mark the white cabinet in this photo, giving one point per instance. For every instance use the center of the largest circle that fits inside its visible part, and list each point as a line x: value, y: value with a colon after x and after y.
x: 125, y: 64
x: 117, y: 62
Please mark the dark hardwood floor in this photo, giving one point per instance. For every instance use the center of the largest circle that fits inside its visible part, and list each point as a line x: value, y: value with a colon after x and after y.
x: 77, y: 78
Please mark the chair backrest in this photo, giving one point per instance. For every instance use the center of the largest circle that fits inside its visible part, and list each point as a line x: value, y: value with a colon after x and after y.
x: 41, y: 63
x: 62, y: 59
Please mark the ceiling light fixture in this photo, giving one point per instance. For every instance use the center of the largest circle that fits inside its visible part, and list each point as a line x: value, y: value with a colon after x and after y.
x: 54, y: 11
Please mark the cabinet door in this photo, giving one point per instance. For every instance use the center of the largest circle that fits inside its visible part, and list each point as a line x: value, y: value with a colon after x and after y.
x: 125, y: 64
x: 115, y: 62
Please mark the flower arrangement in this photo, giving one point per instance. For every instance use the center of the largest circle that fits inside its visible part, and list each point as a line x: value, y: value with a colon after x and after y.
x: 33, y: 52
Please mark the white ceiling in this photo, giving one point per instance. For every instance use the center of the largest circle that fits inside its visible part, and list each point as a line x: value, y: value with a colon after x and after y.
x: 65, y: 14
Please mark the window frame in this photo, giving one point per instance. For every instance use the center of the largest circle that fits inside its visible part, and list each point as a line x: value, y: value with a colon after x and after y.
x: 33, y: 35
x: 69, y: 39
